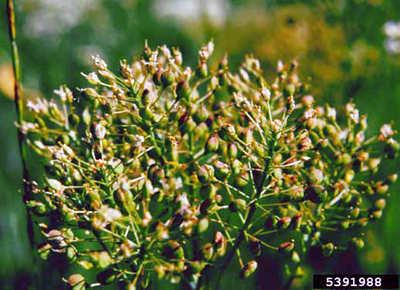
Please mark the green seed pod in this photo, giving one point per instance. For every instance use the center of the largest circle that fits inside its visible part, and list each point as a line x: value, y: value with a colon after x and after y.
x: 212, y: 143
x: 345, y: 225
x: 157, y: 77
x: 380, y: 204
x: 356, y: 243
x: 232, y: 150
x: 242, y: 180
x: 196, y: 266
x: 205, y: 173
x: 349, y: 176
x: 202, y: 71
x: 316, y: 176
x: 284, y: 222
x: 237, y: 205
x: 295, y: 257
x: 167, y: 78
x: 207, y: 251
x: 208, y: 191
x: 286, y: 247
x: 315, y: 193
x: 363, y: 222
x: 76, y: 282
x: 146, y: 113
x: 107, y: 276
x: 327, y: 249
x: 173, y: 250
x: 201, y: 114
x: 296, y: 221
x: 236, y: 167
x: 227, y: 132
x: 354, y: 213
x: 254, y: 246
x: 203, y: 225
x: 391, y: 179
x: 381, y: 188
x: 183, y: 91
x: 205, y: 206
x: 222, y: 170
x: 377, y: 214
x: 72, y: 254
x: 248, y: 269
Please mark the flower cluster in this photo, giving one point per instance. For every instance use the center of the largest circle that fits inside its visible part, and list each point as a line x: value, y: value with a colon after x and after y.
x: 169, y: 172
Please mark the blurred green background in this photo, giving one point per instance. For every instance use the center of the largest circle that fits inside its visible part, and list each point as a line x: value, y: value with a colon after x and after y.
x: 341, y: 45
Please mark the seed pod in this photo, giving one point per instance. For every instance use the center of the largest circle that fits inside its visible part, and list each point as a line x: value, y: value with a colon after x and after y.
x: 315, y: 177
x: 255, y: 246
x: 203, y: 225
x: 237, y: 205
x: 296, y: 221
x: 248, y: 269
x: 286, y: 247
x: 202, y: 70
x: 284, y: 222
x: 327, y: 249
x: 208, y: 191
x: 381, y: 188
x: 205, y: 206
x: 356, y: 243
x: 316, y: 193
x: 173, y: 250
x: 207, y: 251
x: 167, y: 78
x: 242, y: 180
x: 205, y: 173
x: 227, y: 132
x: 222, y: 170
x: 362, y: 222
x: 391, y: 179
x: 220, y: 243
x: 380, y: 204
x: 76, y: 282
x: 212, y: 143
x: 295, y: 257
x: 236, y: 167
x: 232, y: 150
x: 201, y: 114
x: 72, y: 254
x: 157, y: 77
x: 183, y: 91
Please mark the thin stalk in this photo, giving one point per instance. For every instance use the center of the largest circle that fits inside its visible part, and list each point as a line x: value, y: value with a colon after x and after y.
x: 27, y: 195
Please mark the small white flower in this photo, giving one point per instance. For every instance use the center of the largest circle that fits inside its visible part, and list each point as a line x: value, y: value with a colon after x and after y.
x: 92, y: 78
x: 386, y: 131
x: 100, y: 131
x: 99, y: 63
x: 355, y: 116
x: 392, y: 29
x: 331, y: 113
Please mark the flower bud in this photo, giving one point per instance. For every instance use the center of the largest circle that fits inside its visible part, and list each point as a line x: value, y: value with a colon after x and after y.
x: 355, y: 212
x: 203, y: 225
x: 220, y: 243
x: 391, y: 179
x: 315, y: 177
x: 201, y: 114
x: 248, y: 269
x: 202, y: 71
x: 380, y: 204
x: 242, y: 180
x: 236, y: 167
x: 295, y: 257
x: 356, y: 243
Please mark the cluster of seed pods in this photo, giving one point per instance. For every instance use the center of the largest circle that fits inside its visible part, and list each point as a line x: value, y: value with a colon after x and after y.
x: 166, y: 172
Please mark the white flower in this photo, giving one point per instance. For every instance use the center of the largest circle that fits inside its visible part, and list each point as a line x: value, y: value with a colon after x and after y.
x: 100, y: 131
x: 355, y: 116
x: 92, y: 78
x: 99, y: 63
x: 331, y: 113
x: 386, y: 131
x: 64, y: 93
x: 392, y: 29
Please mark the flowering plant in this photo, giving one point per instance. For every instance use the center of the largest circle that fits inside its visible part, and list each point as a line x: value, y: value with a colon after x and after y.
x: 164, y: 172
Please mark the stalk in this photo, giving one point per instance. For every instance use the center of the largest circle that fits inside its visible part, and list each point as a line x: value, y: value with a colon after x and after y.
x: 27, y: 194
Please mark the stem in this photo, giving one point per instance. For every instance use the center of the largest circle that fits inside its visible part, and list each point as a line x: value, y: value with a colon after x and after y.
x: 27, y: 195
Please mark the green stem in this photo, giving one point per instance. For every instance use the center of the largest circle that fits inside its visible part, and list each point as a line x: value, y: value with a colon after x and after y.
x: 27, y: 195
